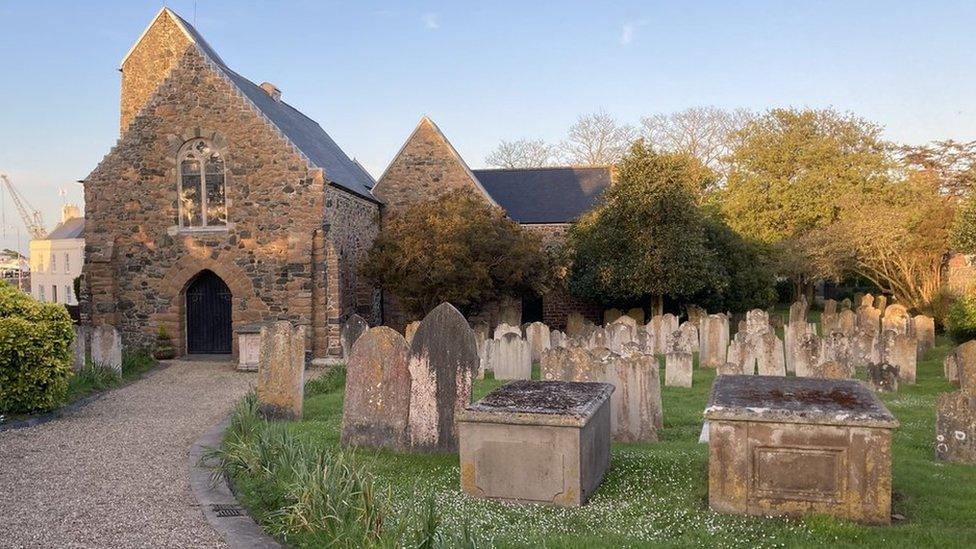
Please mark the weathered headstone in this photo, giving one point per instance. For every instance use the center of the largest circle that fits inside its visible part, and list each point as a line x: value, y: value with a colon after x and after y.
x: 354, y: 327
x: 598, y: 338
x: 574, y: 325
x: 80, y: 347
x: 637, y: 314
x: 714, y: 336
x: 966, y: 367
x: 503, y: 329
x: 757, y: 321
x: 925, y: 333
x: 881, y: 302
x: 696, y: 314
x: 883, y: 378
x: 443, y: 361
x: 831, y: 369
x: 847, y: 321
x: 618, y: 335
x: 896, y: 318
x: 281, y: 371
x: 539, y: 338
x: 677, y: 369
x: 951, y: 368
x: 510, y: 312
x: 869, y: 319
x: 376, y: 408
x: 511, y: 358
x: 611, y: 315
x: 106, y: 347
x: 829, y: 318
x: 410, y: 330
x: 741, y: 356
x: 570, y: 364
x: 556, y: 339
x: 899, y: 349
x: 636, y: 413
x: 955, y: 424
x: 770, y: 360
x: 846, y: 304
x: 837, y: 347
x: 809, y: 354
x: 867, y: 300
x: 689, y: 333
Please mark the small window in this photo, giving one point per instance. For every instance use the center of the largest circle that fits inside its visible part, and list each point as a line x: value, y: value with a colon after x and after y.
x: 54, y: 293
x: 54, y: 262
x: 67, y: 294
x: 202, y: 200
x: 41, y: 295
x: 67, y: 263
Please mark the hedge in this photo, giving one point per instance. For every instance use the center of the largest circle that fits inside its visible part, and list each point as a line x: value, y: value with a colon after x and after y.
x: 35, y: 353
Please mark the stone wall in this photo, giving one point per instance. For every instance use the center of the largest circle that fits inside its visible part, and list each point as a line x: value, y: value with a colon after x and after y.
x: 558, y: 303
x: 151, y: 59
x: 287, y: 230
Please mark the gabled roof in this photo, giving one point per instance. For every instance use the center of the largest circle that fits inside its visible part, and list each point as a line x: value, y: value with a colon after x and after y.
x: 304, y: 133
x: 545, y: 195
x: 72, y: 228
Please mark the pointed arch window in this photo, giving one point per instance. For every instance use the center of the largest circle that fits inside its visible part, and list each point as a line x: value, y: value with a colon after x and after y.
x: 202, y: 201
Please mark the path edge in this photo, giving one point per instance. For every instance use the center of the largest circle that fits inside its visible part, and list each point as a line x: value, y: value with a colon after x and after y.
x: 236, y: 531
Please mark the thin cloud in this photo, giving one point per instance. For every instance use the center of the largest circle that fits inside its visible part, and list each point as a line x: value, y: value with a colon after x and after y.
x: 628, y: 30
x: 431, y: 21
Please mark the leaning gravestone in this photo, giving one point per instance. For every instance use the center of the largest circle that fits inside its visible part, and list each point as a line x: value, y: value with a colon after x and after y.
x: 354, y: 327
x: 883, y: 378
x: 106, y: 347
x: 376, y: 407
x: 80, y: 347
x: 443, y: 362
x: 511, y: 358
x: 281, y: 371
x: 539, y: 338
x: 955, y: 423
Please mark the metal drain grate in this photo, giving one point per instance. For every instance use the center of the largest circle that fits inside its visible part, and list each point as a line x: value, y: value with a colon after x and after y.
x: 227, y: 510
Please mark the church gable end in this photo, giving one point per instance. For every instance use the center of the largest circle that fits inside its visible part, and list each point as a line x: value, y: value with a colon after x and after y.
x: 426, y: 167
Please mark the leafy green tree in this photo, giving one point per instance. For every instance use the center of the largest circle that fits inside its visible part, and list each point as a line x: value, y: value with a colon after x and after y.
x: 792, y: 171
x: 647, y: 239
x: 963, y: 236
x: 459, y: 249
x: 743, y: 275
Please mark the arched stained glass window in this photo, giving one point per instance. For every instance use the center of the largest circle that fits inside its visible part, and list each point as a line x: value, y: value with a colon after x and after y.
x: 202, y: 201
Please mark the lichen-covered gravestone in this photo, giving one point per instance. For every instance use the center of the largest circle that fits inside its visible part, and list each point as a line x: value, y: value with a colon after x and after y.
x: 955, y: 424
x: 511, y: 358
x: 636, y: 410
x: 443, y: 362
x: 619, y: 334
x: 106, y: 347
x: 574, y: 325
x: 503, y: 329
x: 637, y: 314
x: 924, y: 328
x: 896, y: 318
x: 900, y: 349
x: 610, y: 315
x: 376, y: 408
x: 80, y: 347
x: 678, y: 369
x: 770, y: 360
x: 354, y: 327
x: 281, y: 371
x: 539, y: 338
x: 714, y: 336
x: 809, y: 354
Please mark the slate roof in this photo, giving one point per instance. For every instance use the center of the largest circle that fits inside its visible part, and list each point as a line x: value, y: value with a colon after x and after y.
x: 545, y: 195
x: 302, y: 131
x: 72, y: 228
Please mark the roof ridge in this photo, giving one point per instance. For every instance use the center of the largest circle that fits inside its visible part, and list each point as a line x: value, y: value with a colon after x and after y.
x: 542, y: 168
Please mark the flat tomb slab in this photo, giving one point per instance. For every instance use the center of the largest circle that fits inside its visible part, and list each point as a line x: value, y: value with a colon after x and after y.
x: 795, y: 446
x: 536, y: 441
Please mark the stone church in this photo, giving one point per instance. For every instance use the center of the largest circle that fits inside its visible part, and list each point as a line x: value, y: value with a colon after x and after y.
x: 221, y: 206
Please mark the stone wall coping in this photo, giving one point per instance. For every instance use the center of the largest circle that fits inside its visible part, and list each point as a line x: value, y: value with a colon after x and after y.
x: 529, y: 402
x: 250, y: 328
x: 777, y: 399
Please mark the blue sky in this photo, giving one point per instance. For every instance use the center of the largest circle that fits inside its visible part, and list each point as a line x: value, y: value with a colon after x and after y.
x: 486, y: 71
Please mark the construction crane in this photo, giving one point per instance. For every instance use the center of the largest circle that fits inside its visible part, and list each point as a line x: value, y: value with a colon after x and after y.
x: 32, y: 218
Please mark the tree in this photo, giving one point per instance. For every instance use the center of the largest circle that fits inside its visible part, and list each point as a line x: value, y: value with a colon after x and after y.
x: 522, y: 153
x: 742, y: 272
x: 597, y: 140
x: 459, y: 249
x: 647, y: 238
x: 963, y: 235
x: 707, y: 133
x: 792, y: 172
x: 951, y: 164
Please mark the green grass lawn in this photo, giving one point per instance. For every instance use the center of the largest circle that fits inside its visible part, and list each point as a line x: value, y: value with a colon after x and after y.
x: 656, y: 494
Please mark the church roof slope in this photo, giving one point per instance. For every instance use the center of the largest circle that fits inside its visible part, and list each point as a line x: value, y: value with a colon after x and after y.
x: 545, y: 195
x: 303, y: 132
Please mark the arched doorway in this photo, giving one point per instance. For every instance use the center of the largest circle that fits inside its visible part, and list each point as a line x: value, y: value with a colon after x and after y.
x: 208, y: 315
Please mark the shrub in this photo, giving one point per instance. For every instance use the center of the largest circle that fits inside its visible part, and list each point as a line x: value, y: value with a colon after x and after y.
x: 35, y: 353
x: 92, y: 378
x: 960, y: 321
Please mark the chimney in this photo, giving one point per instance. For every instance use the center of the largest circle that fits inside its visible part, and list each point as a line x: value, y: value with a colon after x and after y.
x: 272, y: 90
x: 69, y: 211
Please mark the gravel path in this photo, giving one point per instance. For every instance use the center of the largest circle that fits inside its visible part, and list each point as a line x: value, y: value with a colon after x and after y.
x: 114, y: 474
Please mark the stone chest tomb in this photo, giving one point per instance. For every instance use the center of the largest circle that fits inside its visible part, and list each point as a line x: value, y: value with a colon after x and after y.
x: 537, y: 441
x: 793, y: 446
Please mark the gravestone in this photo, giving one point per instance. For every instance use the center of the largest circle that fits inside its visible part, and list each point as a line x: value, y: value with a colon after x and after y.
x: 677, y: 369
x: 636, y: 410
x: 869, y: 319
x: 741, y: 355
x: 881, y: 302
x: 611, y: 315
x: 556, y: 339
x: 510, y: 312
x: 845, y: 304
x: 376, y: 407
x: 688, y: 332
x: 757, y: 321
x: 867, y: 300
x: 896, y: 318
x: 650, y: 335
x: 354, y: 327
x: 569, y: 364
x: 618, y: 335
x: 80, y: 347
x: 503, y: 329
x: 899, y: 349
x: 511, y: 358
x: 955, y: 424
x: 637, y: 314
x: 847, y: 321
x: 714, y: 336
x: 864, y: 348
x: 924, y: 328
x: 410, y: 330
x: 831, y: 369
x: 106, y: 347
x: 598, y: 338
x: 770, y: 360
x: 281, y: 371
x: 809, y: 354
x: 696, y: 314
x: 829, y: 319
x: 883, y: 378
x: 950, y: 368
x: 443, y: 362
x: 574, y: 325
x: 481, y: 329
x: 731, y: 368
x: 539, y: 338
x: 837, y: 347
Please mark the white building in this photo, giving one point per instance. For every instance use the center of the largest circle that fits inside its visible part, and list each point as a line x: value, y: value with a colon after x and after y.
x: 56, y: 260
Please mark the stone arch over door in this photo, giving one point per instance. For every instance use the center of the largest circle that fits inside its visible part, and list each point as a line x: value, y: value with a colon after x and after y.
x: 246, y: 307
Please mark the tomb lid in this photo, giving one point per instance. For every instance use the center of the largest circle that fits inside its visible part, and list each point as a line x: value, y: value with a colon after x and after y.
x: 253, y: 328
x: 796, y: 400
x: 540, y: 402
